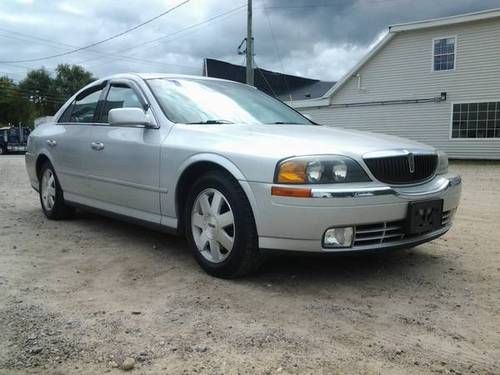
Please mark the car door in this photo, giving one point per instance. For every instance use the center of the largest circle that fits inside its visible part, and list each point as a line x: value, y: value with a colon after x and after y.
x: 125, y: 161
x: 68, y: 144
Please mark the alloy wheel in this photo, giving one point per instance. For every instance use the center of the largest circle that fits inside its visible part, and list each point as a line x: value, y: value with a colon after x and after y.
x: 48, y: 187
x: 212, y: 225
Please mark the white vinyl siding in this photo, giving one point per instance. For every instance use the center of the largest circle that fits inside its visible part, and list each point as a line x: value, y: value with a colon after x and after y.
x: 401, y: 71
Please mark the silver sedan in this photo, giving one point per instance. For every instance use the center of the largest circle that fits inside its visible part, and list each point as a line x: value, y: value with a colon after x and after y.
x: 236, y: 171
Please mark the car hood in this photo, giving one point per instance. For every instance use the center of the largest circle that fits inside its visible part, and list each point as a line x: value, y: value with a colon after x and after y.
x: 294, y: 140
x: 255, y: 150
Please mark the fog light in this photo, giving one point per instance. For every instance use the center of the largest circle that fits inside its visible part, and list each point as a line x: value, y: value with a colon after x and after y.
x: 338, y: 237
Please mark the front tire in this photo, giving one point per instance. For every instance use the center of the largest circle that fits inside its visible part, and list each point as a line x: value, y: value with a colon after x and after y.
x: 220, y: 227
x: 51, y: 195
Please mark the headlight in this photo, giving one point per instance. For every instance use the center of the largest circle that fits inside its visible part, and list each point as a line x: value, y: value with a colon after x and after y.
x: 314, y: 171
x: 339, y: 171
x: 442, y: 167
x: 328, y: 169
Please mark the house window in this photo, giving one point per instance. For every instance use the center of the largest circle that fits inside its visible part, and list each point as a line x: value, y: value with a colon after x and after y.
x: 444, y: 54
x: 476, y: 120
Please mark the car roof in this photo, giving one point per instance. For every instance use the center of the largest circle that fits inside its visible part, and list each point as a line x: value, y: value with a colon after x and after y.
x: 147, y: 76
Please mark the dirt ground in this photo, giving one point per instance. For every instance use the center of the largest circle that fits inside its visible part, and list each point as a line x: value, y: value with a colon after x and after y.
x: 80, y: 296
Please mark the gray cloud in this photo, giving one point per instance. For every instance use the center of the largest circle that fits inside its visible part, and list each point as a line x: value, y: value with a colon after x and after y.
x: 318, y: 38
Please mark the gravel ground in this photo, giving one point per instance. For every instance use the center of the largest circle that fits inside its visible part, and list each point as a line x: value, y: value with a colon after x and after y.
x: 91, y: 295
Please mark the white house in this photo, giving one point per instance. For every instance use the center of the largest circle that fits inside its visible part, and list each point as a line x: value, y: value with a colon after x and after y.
x: 435, y: 81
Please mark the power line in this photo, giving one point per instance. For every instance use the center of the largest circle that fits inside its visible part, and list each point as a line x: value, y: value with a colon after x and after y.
x: 29, y: 94
x: 141, y: 45
x: 23, y: 66
x: 278, y: 55
x: 265, y: 79
x: 130, y: 58
x: 324, y: 5
x: 14, y: 73
x: 34, y: 92
x: 169, y: 36
x: 17, y: 89
x: 101, y: 41
x: 42, y: 100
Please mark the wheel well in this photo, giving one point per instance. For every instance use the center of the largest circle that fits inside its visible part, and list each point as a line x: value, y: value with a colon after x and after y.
x: 187, y: 179
x: 42, y: 159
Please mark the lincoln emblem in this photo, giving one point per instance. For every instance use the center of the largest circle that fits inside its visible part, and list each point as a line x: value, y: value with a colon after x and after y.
x: 411, y: 162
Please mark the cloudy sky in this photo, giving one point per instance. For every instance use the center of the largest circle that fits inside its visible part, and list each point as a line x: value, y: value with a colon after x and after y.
x: 314, y: 38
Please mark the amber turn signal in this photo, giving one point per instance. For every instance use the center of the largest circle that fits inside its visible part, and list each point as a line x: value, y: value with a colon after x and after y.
x: 290, y: 192
x: 292, y: 172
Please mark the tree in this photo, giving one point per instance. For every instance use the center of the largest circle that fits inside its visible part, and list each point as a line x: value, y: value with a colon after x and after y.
x: 37, y: 87
x: 69, y: 79
x: 13, y: 106
x: 38, y: 94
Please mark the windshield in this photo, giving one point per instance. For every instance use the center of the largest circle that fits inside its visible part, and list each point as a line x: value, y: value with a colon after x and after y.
x: 200, y: 101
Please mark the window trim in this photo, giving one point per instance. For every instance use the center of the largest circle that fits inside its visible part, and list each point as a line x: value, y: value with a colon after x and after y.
x: 454, y: 54
x: 450, y: 135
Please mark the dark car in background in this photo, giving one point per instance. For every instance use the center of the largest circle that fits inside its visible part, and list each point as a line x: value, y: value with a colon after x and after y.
x: 13, y: 139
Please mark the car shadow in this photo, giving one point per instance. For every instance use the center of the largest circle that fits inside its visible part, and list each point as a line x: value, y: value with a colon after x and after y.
x: 287, y: 268
x: 340, y: 267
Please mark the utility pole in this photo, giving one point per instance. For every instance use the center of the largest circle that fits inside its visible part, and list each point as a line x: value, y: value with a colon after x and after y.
x: 249, y: 45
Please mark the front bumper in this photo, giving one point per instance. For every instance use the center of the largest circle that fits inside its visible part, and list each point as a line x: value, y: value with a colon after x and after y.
x: 298, y: 224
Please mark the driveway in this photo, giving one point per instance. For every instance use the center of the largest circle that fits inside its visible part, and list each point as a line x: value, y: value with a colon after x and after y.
x: 80, y: 296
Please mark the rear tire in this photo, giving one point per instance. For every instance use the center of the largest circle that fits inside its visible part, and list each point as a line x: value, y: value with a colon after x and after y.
x: 220, y: 227
x: 51, y: 195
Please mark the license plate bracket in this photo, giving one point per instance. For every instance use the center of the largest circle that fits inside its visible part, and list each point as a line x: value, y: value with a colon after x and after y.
x: 424, y: 216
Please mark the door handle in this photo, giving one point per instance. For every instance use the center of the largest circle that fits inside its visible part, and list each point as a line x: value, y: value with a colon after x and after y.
x: 51, y: 142
x: 98, y: 146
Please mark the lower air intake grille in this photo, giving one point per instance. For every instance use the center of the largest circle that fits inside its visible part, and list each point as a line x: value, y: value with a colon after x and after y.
x: 381, y: 233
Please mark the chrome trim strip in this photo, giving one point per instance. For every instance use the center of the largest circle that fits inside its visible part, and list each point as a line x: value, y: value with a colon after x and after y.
x: 384, y: 190
x: 444, y: 185
x: 397, y: 152
x: 351, y: 193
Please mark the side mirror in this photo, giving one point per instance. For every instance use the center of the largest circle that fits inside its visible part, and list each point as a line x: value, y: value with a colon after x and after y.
x: 130, y: 117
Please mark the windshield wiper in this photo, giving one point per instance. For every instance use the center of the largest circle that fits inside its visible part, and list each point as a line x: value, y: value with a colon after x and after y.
x: 285, y: 123
x: 210, y: 122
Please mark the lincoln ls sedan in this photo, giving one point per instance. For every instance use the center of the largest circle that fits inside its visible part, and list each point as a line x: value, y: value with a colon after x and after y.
x: 237, y: 172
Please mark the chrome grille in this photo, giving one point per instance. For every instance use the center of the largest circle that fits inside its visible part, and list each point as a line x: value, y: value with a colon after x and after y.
x: 380, y: 233
x: 447, y: 216
x: 400, y: 170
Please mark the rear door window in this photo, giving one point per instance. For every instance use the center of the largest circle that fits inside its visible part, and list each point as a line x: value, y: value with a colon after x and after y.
x: 84, y: 109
